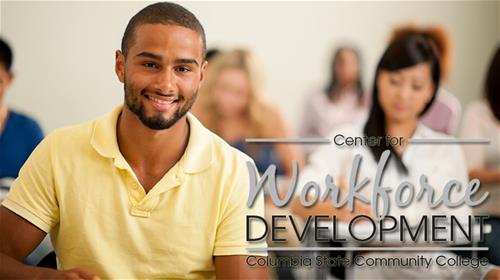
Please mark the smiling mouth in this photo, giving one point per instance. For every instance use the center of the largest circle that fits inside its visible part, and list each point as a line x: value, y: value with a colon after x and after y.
x: 161, y: 102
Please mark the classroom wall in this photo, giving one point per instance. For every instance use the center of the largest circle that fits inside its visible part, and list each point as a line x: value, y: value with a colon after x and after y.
x: 64, y: 51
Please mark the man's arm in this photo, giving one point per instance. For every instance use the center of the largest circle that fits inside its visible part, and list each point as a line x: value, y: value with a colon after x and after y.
x: 18, y: 238
x: 231, y: 246
x: 235, y: 267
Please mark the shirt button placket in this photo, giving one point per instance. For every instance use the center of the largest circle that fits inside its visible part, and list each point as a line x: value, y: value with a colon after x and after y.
x: 135, y: 190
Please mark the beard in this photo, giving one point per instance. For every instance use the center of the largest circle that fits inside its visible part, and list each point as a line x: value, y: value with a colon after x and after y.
x: 156, y: 121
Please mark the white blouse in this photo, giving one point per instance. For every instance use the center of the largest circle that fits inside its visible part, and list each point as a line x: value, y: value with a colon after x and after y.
x: 479, y: 122
x: 439, y: 162
x: 320, y: 116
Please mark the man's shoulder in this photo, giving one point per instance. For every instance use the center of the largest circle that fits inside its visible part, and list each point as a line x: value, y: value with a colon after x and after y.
x: 75, y: 130
x: 72, y: 135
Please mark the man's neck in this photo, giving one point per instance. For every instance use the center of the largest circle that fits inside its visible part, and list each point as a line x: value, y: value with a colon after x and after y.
x: 150, y: 153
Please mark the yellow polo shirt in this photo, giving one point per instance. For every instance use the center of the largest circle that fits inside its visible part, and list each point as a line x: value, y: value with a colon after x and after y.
x: 78, y: 186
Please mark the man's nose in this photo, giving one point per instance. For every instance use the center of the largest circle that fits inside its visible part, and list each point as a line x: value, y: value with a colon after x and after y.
x: 166, y: 81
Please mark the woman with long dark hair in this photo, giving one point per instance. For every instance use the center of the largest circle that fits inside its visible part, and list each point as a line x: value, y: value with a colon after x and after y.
x: 444, y: 114
x: 405, y: 84
x: 342, y: 101
x: 482, y: 120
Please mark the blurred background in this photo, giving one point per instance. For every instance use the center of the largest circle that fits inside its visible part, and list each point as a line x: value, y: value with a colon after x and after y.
x: 64, y: 51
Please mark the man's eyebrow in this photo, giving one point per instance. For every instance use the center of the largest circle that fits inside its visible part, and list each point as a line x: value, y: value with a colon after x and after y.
x: 187, y: 61
x: 159, y: 57
x: 149, y: 55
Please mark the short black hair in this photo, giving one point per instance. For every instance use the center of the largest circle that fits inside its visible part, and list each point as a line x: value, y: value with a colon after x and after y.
x: 492, y: 84
x: 6, y: 56
x: 164, y: 13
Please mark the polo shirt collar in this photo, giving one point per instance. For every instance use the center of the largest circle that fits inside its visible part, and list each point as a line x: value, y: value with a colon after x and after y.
x: 199, y: 151
x: 197, y: 157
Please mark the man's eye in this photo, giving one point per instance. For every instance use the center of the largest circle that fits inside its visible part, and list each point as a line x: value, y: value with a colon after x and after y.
x: 417, y: 88
x: 182, y: 69
x: 150, y: 65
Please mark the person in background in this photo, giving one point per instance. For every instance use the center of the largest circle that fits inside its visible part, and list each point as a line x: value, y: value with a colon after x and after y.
x: 444, y: 115
x: 231, y: 104
x: 406, y: 80
x: 212, y: 53
x: 342, y: 101
x: 482, y: 120
x: 19, y: 134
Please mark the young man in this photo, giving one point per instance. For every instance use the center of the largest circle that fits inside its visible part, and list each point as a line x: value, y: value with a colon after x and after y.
x: 145, y: 191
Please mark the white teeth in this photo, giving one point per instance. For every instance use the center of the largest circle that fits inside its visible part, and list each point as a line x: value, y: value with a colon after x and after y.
x: 162, y: 101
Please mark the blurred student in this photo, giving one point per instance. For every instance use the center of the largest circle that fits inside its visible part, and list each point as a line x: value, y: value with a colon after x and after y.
x: 342, y: 101
x: 212, y: 53
x: 231, y: 104
x: 19, y: 134
x: 406, y: 80
x: 444, y: 115
x: 482, y: 120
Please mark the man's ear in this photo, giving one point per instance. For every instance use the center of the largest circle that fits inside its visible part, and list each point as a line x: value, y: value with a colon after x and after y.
x: 120, y: 65
x: 204, y: 66
x: 12, y: 77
